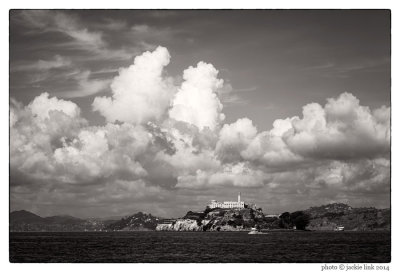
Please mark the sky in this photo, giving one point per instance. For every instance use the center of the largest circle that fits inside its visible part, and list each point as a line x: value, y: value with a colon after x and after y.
x: 118, y: 111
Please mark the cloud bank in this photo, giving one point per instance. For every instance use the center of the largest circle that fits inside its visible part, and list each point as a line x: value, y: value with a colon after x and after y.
x: 162, y: 136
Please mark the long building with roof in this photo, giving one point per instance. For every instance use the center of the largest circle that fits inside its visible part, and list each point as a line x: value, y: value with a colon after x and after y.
x: 227, y: 204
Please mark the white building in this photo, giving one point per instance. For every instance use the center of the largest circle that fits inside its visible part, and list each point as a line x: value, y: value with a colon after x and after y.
x: 227, y: 204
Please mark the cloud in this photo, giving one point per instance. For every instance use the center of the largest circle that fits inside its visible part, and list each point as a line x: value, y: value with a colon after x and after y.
x: 77, y: 36
x: 140, y: 93
x: 49, y: 129
x: 345, y: 70
x: 57, y: 158
x: 36, y: 130
x: 191, y: 151
x: 86, y: 86
x: 269, y: 149
x: 343, y: 129
x: 238, y: 175
x: 155, y: 34
x: 60, y: 22
x: 82, y: 36
x: 235, y: 138
x: 42, y: 105
x: 43, y: 65
x: 362, y: 183
x: 94, y: 154
x: 101, y: 200
x: 196, y: 101
x: 78, y: 46
x: 51, y: 141
x: 364, y: 176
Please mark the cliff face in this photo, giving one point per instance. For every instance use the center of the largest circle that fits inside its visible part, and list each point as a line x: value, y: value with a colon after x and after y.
x: 181, y: 225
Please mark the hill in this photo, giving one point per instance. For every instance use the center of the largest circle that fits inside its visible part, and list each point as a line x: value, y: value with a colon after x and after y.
x: 26, y: 217
x: 327, y: 217
x: 139, y: 221
x: 28, y: 221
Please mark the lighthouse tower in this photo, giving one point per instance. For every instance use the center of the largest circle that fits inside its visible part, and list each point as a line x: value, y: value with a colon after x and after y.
x: 239, y: 197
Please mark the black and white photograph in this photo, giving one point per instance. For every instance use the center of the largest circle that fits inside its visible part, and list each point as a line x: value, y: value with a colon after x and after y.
x: 200, y: 136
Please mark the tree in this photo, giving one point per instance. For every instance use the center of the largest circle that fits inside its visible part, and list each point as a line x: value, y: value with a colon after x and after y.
x: 300, y: 220
x: 285, y: 220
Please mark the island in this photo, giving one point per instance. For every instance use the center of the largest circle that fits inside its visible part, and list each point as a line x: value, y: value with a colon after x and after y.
x: 217, y: 216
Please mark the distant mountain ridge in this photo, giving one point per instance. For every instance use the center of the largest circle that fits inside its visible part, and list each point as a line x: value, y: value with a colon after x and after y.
x: 27, y: 221
x: 25, y: 216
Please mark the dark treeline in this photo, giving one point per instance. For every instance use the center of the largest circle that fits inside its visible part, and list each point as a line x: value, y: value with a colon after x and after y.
x: 297, y: 219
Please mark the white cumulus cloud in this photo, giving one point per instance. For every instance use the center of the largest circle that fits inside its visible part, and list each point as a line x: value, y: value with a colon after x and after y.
x: 235, y: 138
x: 42, y: 105
x: 197, y: 102
x: 140, y: 93
x: 342, y: 129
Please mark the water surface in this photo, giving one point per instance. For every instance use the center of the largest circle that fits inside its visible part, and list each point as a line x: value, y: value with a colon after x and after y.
x: 183, y: 247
